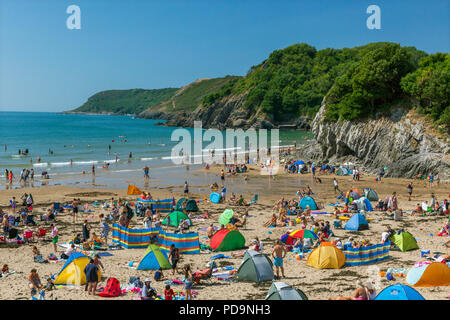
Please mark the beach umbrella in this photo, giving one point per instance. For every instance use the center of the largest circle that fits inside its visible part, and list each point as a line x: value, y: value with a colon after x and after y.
x: 287, y: 239
x: 226, y: 216
x: 303, y: 234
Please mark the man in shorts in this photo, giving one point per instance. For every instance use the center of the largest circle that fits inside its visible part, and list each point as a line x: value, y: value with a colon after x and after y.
x: 278, y: 253
x: 54, y: 235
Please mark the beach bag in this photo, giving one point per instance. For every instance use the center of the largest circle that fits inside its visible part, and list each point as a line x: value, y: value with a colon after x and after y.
x: 112, y: 289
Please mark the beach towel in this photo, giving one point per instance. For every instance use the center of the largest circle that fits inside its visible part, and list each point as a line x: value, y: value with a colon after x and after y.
x: 219, y: 256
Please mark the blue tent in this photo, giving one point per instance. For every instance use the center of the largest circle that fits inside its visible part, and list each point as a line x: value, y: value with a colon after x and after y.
x: 357, y: 222
x: 399, y: 292
x: 214, y: 197
x: 154, y: 259
x: 308, y: 201
x: 368, y: 205
x: 299, y: 162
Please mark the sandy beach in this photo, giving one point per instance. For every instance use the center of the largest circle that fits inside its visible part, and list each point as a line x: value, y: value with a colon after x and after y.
x: 315, y: 283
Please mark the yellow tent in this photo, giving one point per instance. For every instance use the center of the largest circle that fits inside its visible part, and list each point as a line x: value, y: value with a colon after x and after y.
x: 73, y: 271
x: 326, y: 256
x: 133, y: 190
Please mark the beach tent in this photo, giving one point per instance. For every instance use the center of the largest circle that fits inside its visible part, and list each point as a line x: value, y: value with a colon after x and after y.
x: 214, y: 197
x: 226, y: 216
x: 357, y: 222
x: 187, y: 204
x: 73, y: 270
x: 429, y: 274
x: 300, y: 162
x: 112, y: 289
x: 404, y: 241
x: 175, y: 218
x: 227, y: 240
x: 308, y: 201
x: 133, y: 190
x: 342, y: 171
x: 282, y: 291
x: 370, y: 194
x: 326, y: 256
x: 363, y: 204
x: 255, y: 267
x: 154, y: 259
x: 399, y: 292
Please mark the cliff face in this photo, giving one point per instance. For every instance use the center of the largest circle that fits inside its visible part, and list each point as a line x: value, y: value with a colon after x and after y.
x: 402, y: 142
x: 228, y: 112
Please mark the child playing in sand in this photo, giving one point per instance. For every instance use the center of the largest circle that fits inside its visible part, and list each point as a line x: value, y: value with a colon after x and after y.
x: 34, y: 282
x: 168, y: 293
x: 158, y: 275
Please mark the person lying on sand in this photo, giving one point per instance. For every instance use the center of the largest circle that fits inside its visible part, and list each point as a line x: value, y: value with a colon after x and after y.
x: 253, y: 246
x: 362, y: 292
x: 272, y: 222
x: 444, y: 258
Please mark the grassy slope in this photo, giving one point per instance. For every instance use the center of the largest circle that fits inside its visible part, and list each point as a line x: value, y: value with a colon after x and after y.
x: 131, y: 101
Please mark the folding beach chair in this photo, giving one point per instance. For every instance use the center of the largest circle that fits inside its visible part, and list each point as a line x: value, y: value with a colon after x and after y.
x: 28, y: 236
x: 255, y: 198
x: 41, y: 233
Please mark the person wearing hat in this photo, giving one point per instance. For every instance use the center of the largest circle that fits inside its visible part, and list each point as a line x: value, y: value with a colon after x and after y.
x: 148, y: 292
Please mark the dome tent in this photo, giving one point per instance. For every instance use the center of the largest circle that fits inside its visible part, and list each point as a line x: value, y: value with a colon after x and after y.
x: 175, y: 218
x: 186, y: 204
x: 342, y: 171
x: 399, y: 292
x: 282, y: 291
x: 154, y: 259
x: 255, y: 267
x: 214, y: 197
x: 404, y: 241
x: 370, y: 194
x: 326, y: 256
x: 227, y: 240
x: 73, y: 270
x: 308, y: 201
x: 357, y: 222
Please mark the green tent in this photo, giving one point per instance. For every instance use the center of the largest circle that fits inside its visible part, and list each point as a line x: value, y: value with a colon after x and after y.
x: 342, y: 172
x: 282, y: 291
x: 404, y: 241
x: 255, y: 267
x: 187, y: 204
x: 154, y: 259
x: 226, y: 216
x: 370, y: 194
x: 175, y: 218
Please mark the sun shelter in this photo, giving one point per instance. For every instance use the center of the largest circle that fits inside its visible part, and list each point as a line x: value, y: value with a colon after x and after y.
x: 112, y: 289
x: 227, y: 240
x: 133, y: 190
x: 255, y: 267
x: 357, y: 222
x: 282, y: 291
x: 187, y: 204
x: 308, y: 201
x: 175, y: 218
x: 326, y: 256
x: 399, y: 292
x: 429, y: 274
x: 161, y: 206
x: 72, y: 273
x: 154, y: 259
x: 303, y: 234
x: 404, y: 241
x: 214, y: 197
x: 370, y: 194
x: 226, y: 216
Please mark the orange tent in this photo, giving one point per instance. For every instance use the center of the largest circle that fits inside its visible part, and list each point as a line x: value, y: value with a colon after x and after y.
x: 133, y: 190
x: 326, y: 256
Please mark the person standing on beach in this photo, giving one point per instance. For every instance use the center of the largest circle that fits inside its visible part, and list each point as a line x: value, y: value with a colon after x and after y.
x: 336, y: 187
x: 32, y: 174
x: 54, y: 235
x: 222, y: 176
x: 410, y: 190
x: 174, y: 257
x: 93, y: 170
x: 10, y: 177
x: 86, y: 231
x: 278, y: 254
x: 146, y: 172
x: 186, y: 188
x: 91, y: 272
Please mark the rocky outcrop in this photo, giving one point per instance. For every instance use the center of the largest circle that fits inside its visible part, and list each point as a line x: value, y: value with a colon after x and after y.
x: 402, y: 142
x: 228, y: 112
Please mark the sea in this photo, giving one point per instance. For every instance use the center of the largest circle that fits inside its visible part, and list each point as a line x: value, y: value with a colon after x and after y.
x: 68, y: 145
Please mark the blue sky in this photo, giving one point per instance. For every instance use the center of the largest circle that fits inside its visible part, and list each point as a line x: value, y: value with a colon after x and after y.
x: 156, y: 44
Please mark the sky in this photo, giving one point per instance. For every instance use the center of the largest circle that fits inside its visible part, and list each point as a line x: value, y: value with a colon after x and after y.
x: 150, y: 44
